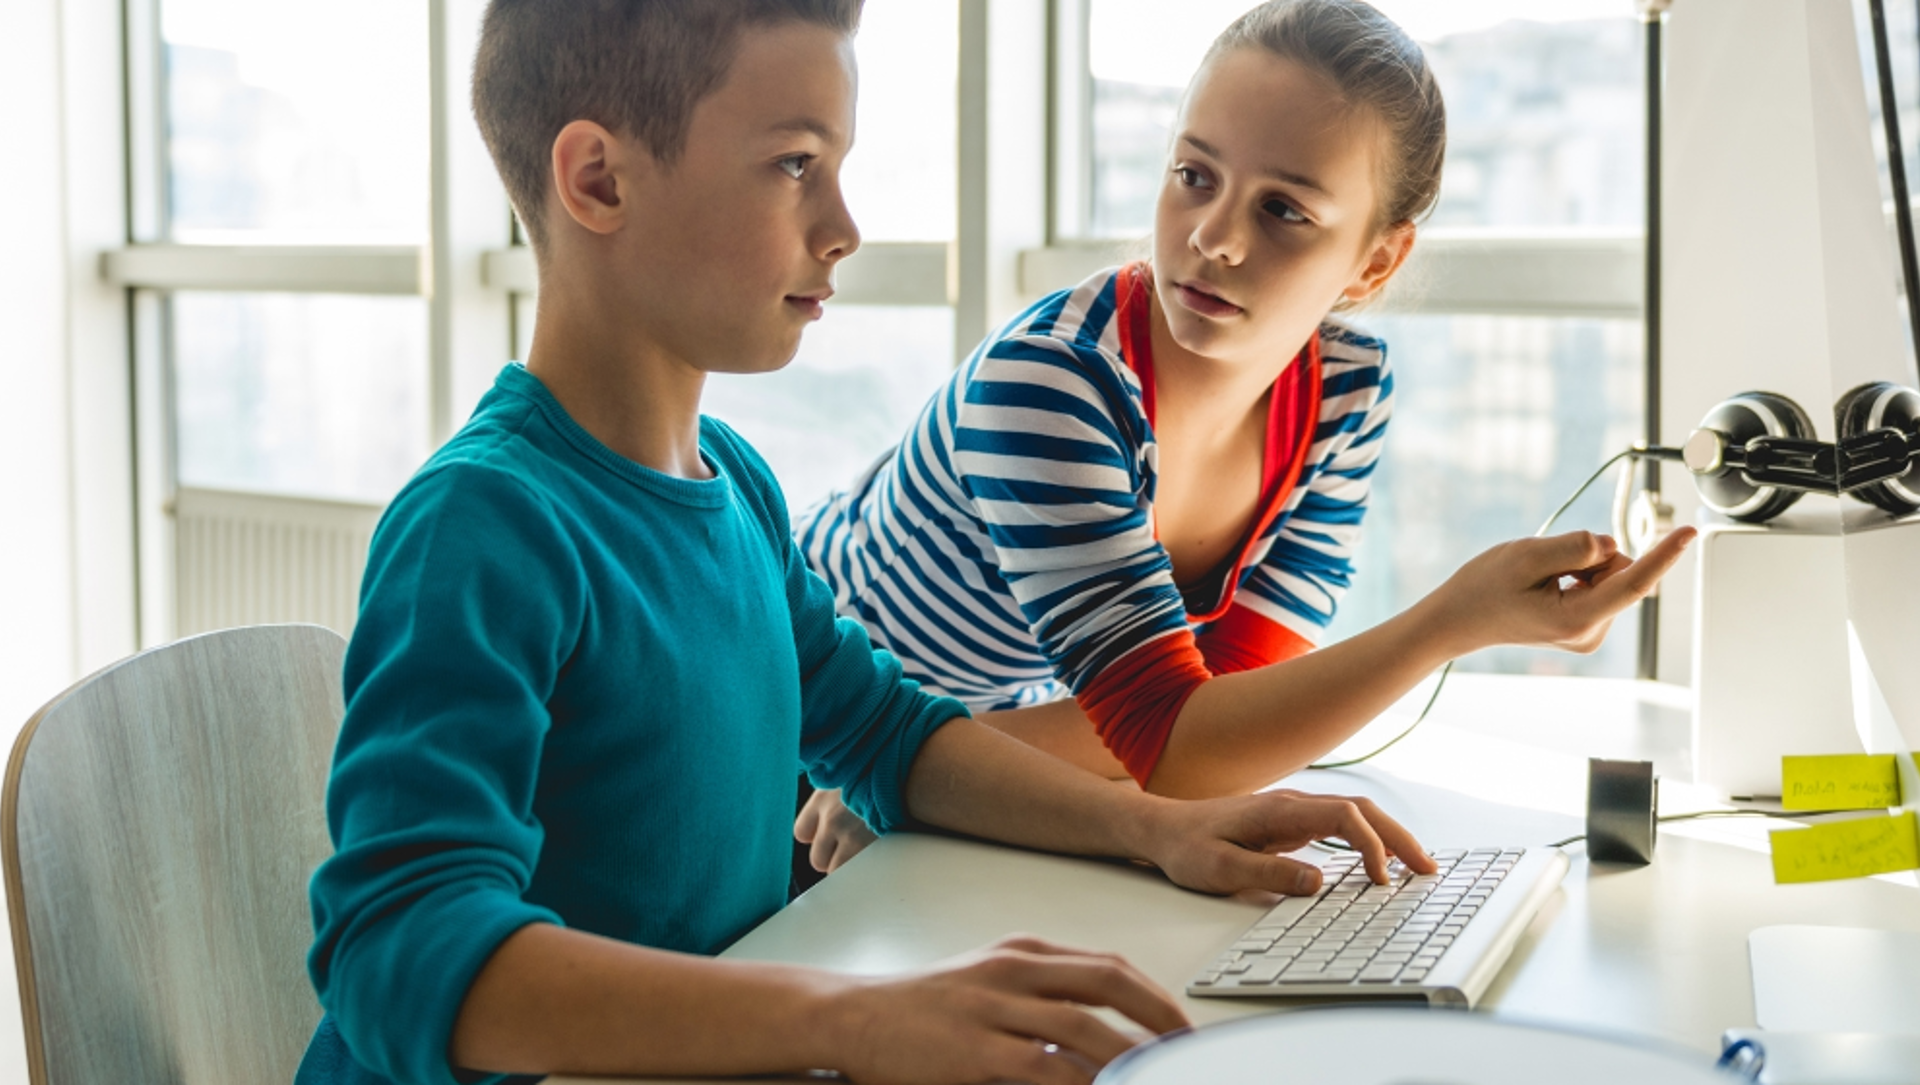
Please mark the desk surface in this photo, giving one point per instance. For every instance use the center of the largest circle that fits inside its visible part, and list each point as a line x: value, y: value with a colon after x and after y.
x: 1658, y: 950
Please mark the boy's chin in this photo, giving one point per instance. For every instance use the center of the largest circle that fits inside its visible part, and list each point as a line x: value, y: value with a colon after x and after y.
x: 747, y: 360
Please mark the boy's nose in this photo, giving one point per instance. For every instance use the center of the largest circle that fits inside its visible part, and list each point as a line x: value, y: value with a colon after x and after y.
x: 838, y: 236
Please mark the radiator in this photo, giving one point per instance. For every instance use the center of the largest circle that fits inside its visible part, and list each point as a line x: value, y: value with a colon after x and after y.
x: 254, y: 559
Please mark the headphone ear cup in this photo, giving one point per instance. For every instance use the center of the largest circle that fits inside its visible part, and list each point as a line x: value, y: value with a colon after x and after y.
x: 1882, y: 405
x: 1743, y: 418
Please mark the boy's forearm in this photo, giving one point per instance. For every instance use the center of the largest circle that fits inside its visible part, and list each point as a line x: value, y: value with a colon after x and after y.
x: 553, y: 1000
x: 973, y: 779
x: 1240, y: 732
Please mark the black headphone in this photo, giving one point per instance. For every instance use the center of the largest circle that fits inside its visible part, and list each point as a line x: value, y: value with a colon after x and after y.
x: 1755, y: 454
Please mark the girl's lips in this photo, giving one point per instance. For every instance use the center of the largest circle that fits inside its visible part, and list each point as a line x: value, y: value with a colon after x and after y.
x: 811, y: 308
x: 1204, y: 303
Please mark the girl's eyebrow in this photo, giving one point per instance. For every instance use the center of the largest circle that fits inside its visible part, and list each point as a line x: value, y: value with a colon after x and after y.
x: 1274, y: 172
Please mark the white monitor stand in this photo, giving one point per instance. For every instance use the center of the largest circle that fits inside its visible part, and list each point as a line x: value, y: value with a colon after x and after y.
x: 1841, y: 1005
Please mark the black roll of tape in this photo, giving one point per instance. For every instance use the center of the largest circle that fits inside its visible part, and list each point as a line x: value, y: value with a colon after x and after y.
x: 1622, y: 800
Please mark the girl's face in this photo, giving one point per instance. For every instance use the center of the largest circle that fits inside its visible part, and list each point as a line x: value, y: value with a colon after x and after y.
x: 1268, y: 216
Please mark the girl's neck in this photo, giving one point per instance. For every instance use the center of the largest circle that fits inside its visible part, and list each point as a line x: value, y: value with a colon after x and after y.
x: 1196, y: 393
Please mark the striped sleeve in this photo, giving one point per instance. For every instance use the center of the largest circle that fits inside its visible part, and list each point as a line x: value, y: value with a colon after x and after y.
x: 1310, y: 564
x: 1044, y: 447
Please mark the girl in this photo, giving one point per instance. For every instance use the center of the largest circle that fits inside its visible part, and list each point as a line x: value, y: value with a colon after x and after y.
x: 1119, y: 529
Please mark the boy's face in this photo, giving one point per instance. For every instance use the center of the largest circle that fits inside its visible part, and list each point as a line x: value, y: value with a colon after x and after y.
x: 727, y: 254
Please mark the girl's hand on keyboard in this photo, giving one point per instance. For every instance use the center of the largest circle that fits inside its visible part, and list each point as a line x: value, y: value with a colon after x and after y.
x: 1018, y: 1010
x: 1227, y: 845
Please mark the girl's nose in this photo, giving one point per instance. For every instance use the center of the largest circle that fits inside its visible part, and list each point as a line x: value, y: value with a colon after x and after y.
x: 1218, y: 235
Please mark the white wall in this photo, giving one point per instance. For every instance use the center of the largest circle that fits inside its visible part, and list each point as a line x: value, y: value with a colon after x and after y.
x: 38, y: 651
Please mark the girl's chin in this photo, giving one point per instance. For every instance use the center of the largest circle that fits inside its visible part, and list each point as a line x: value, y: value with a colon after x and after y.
x: 1200, y: 336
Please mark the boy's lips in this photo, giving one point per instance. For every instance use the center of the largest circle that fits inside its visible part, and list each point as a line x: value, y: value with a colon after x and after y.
x: 812, y: 303
x: 1201, y: 298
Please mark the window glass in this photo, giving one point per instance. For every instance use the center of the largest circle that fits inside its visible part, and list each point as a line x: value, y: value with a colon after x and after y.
x: 1497, y: 420
x: 1544, y: 106
x: 296, y: 122
x: 304, y: 394
x: 861, y: 378
x: 900, y: 179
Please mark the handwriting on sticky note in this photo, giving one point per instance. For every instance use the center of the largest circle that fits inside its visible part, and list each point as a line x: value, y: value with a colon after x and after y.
x: 1845, y: 782
x: 1846, y: 849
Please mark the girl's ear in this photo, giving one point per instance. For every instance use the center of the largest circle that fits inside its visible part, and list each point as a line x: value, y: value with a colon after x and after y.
x: 1389, y: 252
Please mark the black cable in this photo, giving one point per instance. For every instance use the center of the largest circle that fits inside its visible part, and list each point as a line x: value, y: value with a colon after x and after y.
x: 1699, y: 814
x: 1896, y: 166
x: 1448, y: 669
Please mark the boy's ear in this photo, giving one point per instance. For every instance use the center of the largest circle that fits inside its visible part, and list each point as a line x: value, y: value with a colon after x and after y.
x: 592, y: 176
x: 1390, y: 250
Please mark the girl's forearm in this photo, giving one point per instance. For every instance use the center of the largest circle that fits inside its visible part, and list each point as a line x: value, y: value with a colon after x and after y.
x: 1062, y: 729
x: 1240, y: 732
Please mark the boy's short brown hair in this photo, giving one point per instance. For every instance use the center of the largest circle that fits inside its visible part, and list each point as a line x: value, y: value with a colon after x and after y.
x: 635, y: 67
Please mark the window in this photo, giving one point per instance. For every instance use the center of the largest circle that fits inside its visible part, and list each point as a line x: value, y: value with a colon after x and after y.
x: 284, y: 126
x: 292, y: 123
x: 1499, y: 415
x: 319, y: 395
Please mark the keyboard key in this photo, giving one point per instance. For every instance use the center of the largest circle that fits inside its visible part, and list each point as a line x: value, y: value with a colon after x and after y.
x: 1440, y: 941
x: 1393, y: 956
x: 1264, y: 972
x: 1284, y: 913
x: 1236, y: 968
x: 1346, y: 976
x: 1412, y: 974
x: 1379, y: 973
x: 1207, y: 980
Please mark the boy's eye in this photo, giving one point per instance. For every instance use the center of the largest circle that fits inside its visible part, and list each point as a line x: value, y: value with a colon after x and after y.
x: 1283, y: 211
x: 795, y: 165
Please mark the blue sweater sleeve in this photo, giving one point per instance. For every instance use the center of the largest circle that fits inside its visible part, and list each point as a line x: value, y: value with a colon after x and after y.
x: 470, y: 606
x: 862, y: 721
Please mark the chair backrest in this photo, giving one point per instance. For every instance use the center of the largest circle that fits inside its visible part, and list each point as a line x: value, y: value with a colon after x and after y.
x: 160, y: 821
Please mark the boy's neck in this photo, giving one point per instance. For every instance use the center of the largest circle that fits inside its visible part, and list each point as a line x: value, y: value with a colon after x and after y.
x: 629, y: 393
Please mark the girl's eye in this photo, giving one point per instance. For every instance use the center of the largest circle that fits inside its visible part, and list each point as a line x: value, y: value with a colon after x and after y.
x: 1188, y: 176
x: 1283, y: 211
x: 795, y: 165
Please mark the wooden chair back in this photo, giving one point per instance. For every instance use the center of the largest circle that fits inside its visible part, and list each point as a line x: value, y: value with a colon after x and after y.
x: 159, y: 823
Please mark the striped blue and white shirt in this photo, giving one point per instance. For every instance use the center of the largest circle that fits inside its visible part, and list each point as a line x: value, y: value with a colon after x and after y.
x: 1005, y: 550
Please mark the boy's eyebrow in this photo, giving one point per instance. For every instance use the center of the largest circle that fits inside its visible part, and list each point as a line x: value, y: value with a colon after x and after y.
x: 1271, y: 171
x: 828, y: 133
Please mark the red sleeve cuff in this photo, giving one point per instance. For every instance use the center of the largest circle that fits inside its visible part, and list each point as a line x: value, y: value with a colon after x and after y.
x: 1242, y: 640
x: 1134, y: 702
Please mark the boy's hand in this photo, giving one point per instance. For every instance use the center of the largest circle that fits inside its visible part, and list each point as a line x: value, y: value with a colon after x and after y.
x: 1227, y: 845
x: 836, y: 833
x: 1015, y: 1011
x: 1561, y: 592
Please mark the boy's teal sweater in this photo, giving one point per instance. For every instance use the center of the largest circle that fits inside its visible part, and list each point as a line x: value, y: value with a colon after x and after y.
x: 577, y: 694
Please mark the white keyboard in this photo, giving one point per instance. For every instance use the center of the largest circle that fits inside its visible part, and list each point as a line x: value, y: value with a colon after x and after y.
x: 1433, y: 937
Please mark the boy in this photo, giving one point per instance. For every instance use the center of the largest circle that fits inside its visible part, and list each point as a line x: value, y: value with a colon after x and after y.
x: 589, y: 653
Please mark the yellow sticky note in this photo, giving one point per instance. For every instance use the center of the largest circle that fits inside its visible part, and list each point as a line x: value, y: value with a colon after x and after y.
x: 1859, y: 781
x: 1846, y: 849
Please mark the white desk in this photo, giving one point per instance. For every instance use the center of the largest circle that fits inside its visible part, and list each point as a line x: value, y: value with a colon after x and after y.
x: 1658, y: 950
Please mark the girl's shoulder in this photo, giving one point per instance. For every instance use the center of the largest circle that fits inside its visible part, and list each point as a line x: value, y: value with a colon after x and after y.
x: 1070, y: 338
x: 1348, y: 347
